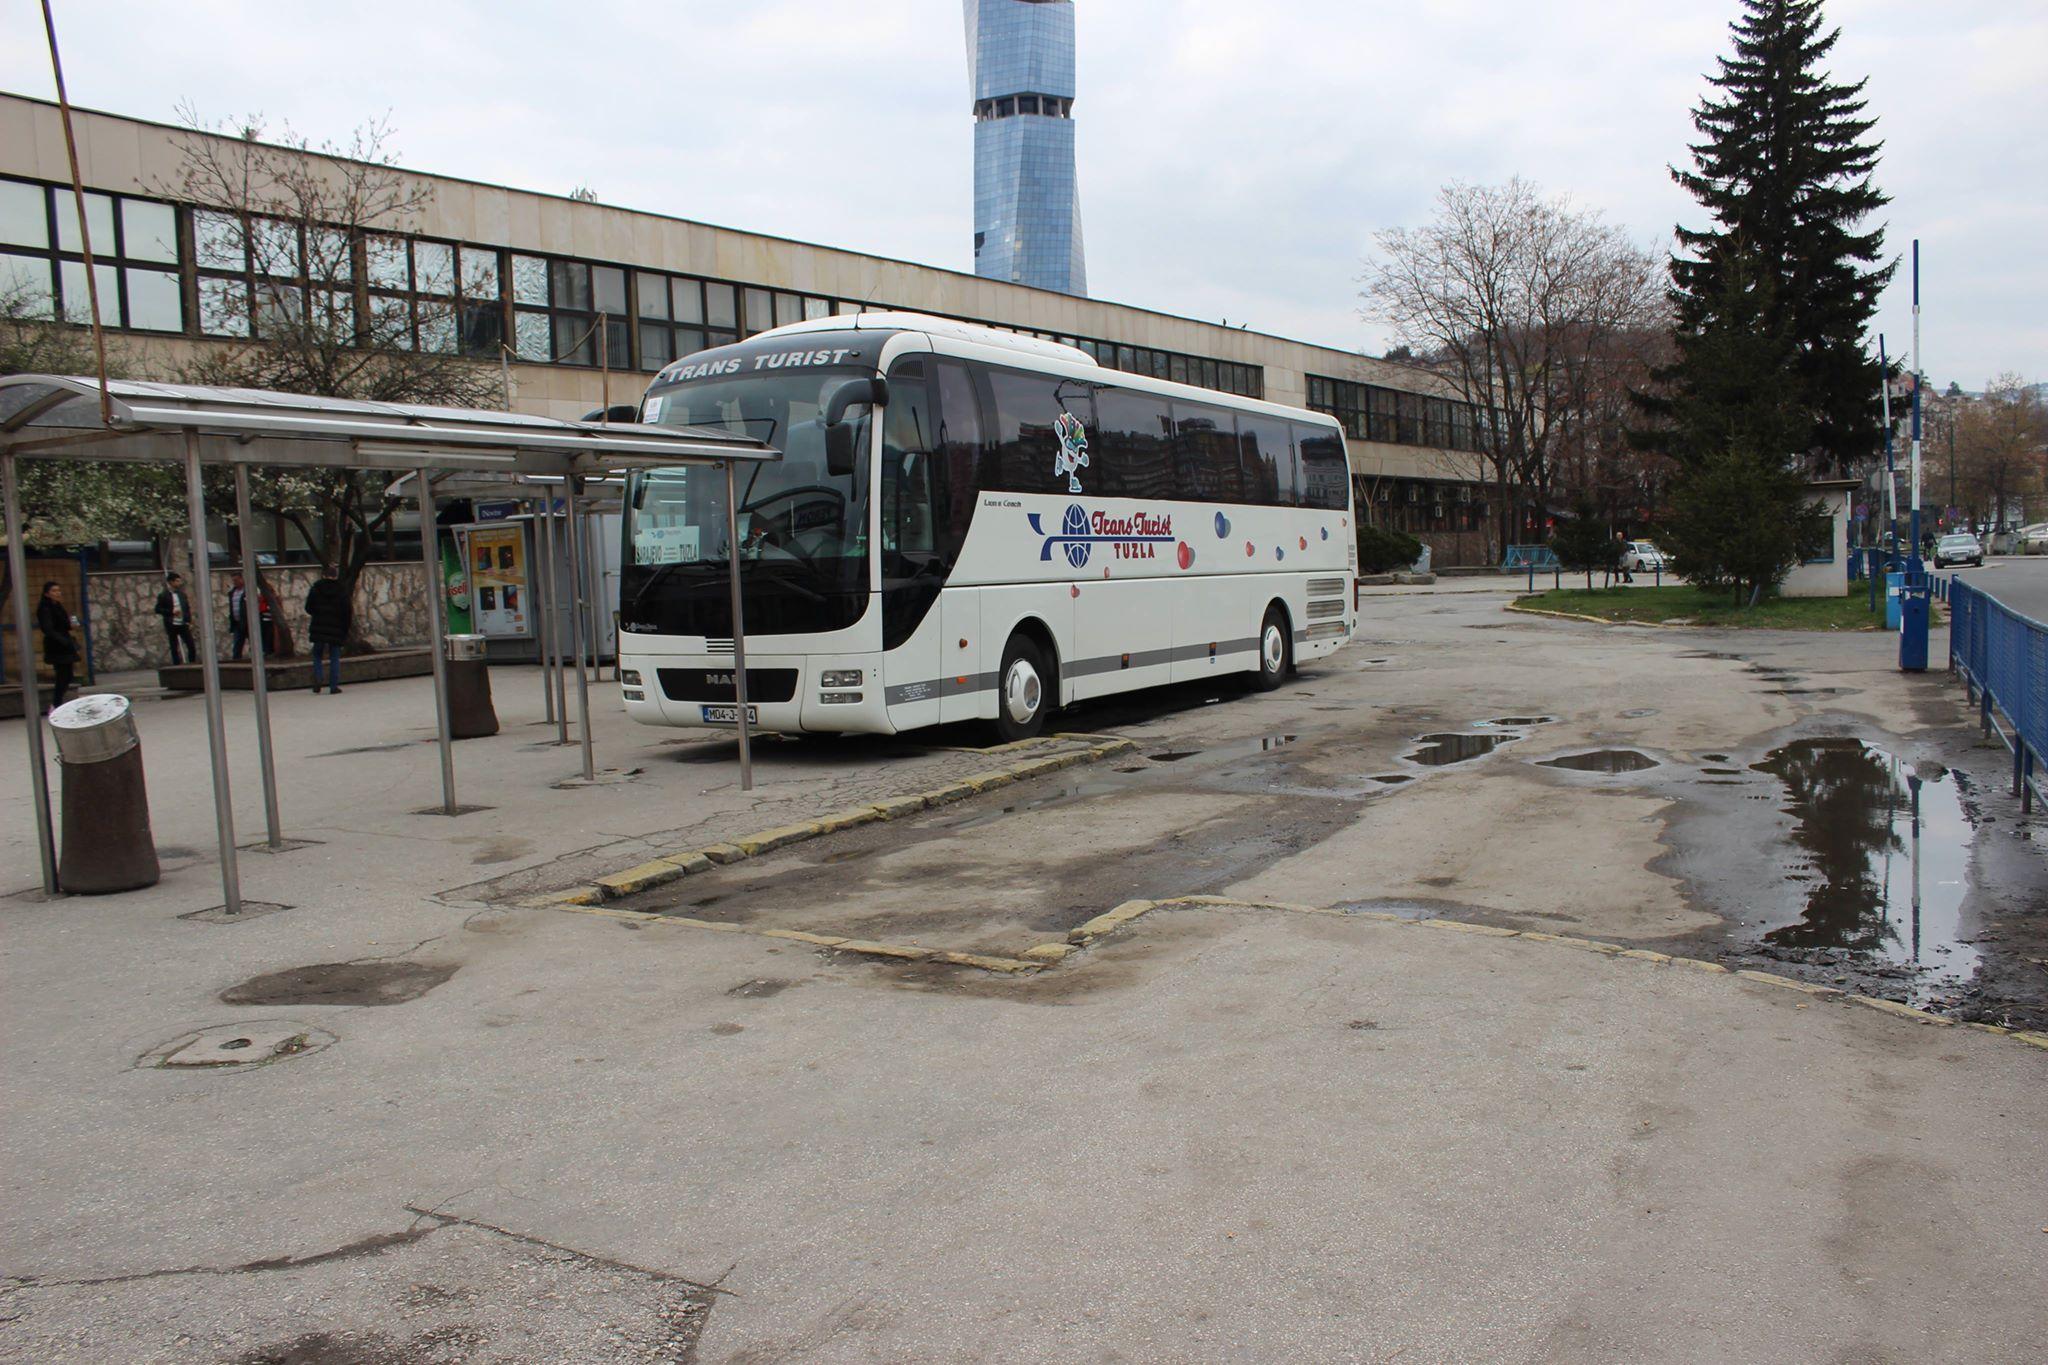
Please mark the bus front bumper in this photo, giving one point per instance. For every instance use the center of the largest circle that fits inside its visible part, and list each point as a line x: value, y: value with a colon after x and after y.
x: 786, y: 693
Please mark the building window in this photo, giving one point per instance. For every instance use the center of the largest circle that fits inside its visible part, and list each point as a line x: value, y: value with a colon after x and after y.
x: 135, y: 257
x: 564, y: 310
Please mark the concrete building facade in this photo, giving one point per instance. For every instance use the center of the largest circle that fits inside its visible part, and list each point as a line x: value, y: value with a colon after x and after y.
x: 1027, y: 202
x: 577, y: 302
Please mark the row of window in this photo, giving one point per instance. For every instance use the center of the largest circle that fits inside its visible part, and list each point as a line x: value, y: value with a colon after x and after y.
x: 1004, y: 424
x: 1425, y: 504
x: 1008, y: 106
x: 1368, y: 412
x: 165, y: 269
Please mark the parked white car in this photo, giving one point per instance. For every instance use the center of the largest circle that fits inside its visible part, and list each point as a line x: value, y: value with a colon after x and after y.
x: 2031, y: 540
x: 1958, y: 547
x: 1640, y: 556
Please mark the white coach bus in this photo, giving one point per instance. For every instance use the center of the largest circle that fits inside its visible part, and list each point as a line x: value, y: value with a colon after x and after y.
x: 971, y: 525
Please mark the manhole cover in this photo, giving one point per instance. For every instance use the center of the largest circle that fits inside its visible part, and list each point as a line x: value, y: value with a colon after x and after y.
x: 247, y: 1042
x: 340, y: 983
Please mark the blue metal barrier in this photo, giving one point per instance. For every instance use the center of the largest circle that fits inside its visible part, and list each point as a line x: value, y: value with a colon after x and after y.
x: 1540, y: 557
x: 2003, y: 657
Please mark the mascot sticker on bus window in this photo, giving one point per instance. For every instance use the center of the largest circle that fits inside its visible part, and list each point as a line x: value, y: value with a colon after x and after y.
x: 1073, y: 452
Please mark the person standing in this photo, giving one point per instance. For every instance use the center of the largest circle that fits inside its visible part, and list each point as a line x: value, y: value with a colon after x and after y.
x: 328, y: 613
x: 60, y: 651
x: 176, y: 609
x: 238, y: 616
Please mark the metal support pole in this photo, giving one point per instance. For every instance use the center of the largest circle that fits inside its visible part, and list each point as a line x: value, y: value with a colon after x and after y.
x: 31, y: 690
x: 1915, y: 562
x: 576, y: 627
x: 430, y: 553
x: 544, y: 606
x: 594, y: 568
x: 557, y: 559
x: 259, y: 681
x: 739, y: 629
x: 209, y: 660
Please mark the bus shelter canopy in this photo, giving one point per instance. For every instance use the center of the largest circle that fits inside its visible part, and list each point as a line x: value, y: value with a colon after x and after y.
x: 50, y: 416
x: 54, y: 417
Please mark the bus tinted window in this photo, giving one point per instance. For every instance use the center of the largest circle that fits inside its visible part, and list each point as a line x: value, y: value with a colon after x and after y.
x: 1026, y: 445
x: 1205, y: 453
x: 1325, y: 476
x: 1129, y: 453
x: 1268, y: 455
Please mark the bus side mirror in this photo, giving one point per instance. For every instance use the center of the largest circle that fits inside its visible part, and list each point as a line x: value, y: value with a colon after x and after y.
x: 840, y: 455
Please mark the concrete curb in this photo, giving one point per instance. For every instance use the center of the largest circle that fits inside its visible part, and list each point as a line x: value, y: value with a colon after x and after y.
x: 1124, y: 914
x: 1581, y: 616
x: 669, y: 867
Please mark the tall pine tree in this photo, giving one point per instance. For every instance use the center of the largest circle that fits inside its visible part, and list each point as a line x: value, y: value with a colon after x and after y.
x: 1784, y: 169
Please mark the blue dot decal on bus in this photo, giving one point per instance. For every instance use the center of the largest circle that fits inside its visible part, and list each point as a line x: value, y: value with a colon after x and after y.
x: 1222, y: 527
x: 1072, y: 456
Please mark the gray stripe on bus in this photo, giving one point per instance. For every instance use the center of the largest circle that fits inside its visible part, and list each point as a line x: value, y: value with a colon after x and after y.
x: 1073, y: 668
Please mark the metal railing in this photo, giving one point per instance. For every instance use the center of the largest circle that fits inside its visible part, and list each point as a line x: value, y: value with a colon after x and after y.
x: 2003, y: 658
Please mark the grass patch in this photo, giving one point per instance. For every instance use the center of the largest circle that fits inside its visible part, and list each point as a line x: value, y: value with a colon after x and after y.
x: 1691, y: 606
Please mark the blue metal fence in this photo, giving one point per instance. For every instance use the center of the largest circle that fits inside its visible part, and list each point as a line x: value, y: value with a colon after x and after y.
x: 2003, y: 657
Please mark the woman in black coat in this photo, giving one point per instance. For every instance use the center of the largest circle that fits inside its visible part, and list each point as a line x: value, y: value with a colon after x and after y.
x: 60, y: 651
x: 328, y: 611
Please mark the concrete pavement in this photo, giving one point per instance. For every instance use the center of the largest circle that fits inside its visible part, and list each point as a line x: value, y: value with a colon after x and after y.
x: 1218, y: 1131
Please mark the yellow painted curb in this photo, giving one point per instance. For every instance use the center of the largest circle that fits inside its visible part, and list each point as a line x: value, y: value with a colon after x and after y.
x: 1048, y: 952
x: 721, y: 926
x: 1109, y: 921
x: 989, y: 781
x: 636, y: 879
x: 768, y: 840
x: 574, y: 896
x: 1645, y: 955
x: 1591, y: 945
x: 947, y: 795
x: 1697, y: 964
x: 847, y: 819
x: 800, y: 936
x: 1578, y: 616
x: 1903, y: 1011
x: 1458, y: 926
x: 723, y: 853
x: 898, y: 806
x: 2032, y: 1039
x: 871, y: 949
x: 1790, y: 983
x: 1008, y: 965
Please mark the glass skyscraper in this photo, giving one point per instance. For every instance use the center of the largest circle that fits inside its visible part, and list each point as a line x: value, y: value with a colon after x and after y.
x: 1027, y: 208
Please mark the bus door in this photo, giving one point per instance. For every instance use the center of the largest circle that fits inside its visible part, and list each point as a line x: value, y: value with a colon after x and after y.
x: 912, y: 570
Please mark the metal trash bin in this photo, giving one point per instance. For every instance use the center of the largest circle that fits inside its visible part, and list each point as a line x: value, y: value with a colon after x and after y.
x: 470, y: 712
x: 107, y: 845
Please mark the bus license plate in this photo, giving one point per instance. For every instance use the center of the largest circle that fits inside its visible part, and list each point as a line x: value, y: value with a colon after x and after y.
x: 730, y: 715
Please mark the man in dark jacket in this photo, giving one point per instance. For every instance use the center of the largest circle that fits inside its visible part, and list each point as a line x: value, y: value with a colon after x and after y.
x: 176, y: 609
x: 238, y: 617
x: 60, y: 651
x: 328, y: 612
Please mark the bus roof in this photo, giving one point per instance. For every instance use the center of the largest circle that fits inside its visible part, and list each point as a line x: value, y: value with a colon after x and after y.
x: 937, y: 327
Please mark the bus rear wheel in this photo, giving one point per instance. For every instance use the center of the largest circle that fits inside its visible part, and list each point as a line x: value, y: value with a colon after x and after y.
x: 1276, y: 651
x: 1022, y: 699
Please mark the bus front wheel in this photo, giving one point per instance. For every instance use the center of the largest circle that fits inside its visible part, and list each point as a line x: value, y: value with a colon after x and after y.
x: 1021, y: 691
x: 1275, y: 651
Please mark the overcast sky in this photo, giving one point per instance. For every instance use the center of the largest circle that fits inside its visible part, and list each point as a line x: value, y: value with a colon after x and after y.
x: 1235, y: 159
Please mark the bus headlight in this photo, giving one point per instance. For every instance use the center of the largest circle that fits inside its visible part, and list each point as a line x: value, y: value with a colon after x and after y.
x: 840, y: 677
x: 629, y: 677
x: 839, y: 698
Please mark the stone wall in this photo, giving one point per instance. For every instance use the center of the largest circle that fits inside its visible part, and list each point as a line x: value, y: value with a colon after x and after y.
x: 391, y: 610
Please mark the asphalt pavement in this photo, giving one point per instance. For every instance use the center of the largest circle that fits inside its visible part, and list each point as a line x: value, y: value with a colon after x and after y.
x: 2019, y: 581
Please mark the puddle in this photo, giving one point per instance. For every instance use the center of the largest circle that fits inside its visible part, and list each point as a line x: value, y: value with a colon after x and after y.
x: 1639, y: 713
x: 340, y: 983
x: 1882, y: 859
x: 1444, y: 749
x: 1715, y: 758
x: 1806, y: 691
x: 1393, y: 779
x: 1603, y: 761
x: 1514, y: 722
x: 1721, y: 772
x: 1172, y: 755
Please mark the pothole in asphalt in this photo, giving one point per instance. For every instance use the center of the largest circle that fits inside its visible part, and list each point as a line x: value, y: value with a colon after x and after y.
x: 1721, y: 772
x: 1517, y: 722
x: 340, y: 983
x: 1393, y: 779
x: 1603, y: 761
x: 1172, y: 755
x: 1637, y: 713
x: 760, y: 988
x: 1440, y: 750
x: 249, y: 1042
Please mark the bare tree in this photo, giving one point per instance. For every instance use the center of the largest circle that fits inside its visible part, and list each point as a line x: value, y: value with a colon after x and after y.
x: 2000, y: 445
x: 319, y: 292
x: 1518, y: 299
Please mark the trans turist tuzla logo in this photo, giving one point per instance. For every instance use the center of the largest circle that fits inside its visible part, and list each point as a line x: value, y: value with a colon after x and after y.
x: 1137, y: 536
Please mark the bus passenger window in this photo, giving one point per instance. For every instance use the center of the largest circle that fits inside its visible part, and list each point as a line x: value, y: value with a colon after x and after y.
x: 958, y: 449
x: 1268, y: 459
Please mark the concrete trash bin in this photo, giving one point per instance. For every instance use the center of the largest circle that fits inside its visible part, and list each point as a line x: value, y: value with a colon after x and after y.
x: 106, y: 844
x: 470, y: 713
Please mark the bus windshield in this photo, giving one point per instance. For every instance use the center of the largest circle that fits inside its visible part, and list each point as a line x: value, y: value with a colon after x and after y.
x: 793, y: 512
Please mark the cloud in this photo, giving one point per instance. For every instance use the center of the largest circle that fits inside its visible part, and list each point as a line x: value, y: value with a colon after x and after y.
x: 1235, y: 159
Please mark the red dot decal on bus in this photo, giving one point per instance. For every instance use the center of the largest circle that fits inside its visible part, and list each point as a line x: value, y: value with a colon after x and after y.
x: 1303, y: 540
x: 1186, y: 554
x: 1249, y: 550
x: 1075, y: 590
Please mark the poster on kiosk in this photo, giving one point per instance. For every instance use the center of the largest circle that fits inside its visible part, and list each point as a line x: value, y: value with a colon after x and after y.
x: 499, y: 586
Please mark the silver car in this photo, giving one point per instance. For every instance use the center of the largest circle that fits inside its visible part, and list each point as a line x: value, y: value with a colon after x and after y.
x: 1958, y: 547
